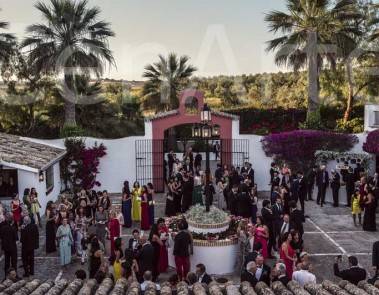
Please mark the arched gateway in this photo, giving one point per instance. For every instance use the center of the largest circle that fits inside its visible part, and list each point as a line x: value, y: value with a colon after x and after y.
x: 150, y: 153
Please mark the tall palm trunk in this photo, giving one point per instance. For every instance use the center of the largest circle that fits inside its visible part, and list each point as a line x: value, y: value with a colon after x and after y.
x: 313, y: 93
x: 69, y: 104
x: 69, y: 113
x: 350, y: 98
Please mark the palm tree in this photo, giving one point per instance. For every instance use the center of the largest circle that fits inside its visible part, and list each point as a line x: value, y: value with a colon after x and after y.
x: 7, y: 42
x: 72, y: 41
x: 165, y: 79
x: 306, y: 29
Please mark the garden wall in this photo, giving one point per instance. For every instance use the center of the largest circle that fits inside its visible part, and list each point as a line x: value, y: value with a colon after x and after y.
x: 120, y: 164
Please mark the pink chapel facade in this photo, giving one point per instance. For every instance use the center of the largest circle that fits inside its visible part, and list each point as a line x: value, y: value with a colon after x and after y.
x: 164, y: 121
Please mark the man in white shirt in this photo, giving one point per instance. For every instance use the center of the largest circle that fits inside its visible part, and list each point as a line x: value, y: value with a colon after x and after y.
x: 303, y: 276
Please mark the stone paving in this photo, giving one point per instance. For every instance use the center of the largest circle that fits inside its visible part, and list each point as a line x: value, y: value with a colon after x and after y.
x: 328, y: 232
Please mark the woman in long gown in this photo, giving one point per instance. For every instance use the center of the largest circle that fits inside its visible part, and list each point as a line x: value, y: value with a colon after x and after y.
x: 35, y: 206
x: 262, y: 235
x: 96, y: 257
x: 287, y: 254
x: 145, y: 219
x: 369, y: 217
x: 101, y: 219
x: 151, y: 202
x: 136, y: 202
x: 163, y: 254
x: 80, y: 232
x: 197, y: 195
x: 170, y: 208
x: 220, y: 195
x: 66, y: 240
x: 50, y: 227
x: 16, y: 210
x: 157, y: 243
x: 114, y: 230
x: 127, y: 205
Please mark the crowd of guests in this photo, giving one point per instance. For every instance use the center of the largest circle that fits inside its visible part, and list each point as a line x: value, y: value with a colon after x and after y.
x: 83, y: 224
x: 362, y: 190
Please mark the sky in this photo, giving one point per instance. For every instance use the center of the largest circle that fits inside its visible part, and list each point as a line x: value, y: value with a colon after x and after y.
x: 221, y: 37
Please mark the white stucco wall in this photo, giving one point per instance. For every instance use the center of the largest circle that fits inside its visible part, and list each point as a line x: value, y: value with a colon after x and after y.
x: 120, y: 162
x: 117, y: 166
x: 27, y: 179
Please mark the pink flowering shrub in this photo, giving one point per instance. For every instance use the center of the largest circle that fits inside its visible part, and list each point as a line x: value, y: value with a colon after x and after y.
x: 372, y: 143
x: 297, y: 148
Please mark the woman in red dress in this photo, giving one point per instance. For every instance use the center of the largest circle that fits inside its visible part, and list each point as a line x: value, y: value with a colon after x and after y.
x: 163, y: 255
x: 287, y: 254
x: 114, y: 230
x: 261, y: 235
x: 16, y: 210
x: 145, y: 218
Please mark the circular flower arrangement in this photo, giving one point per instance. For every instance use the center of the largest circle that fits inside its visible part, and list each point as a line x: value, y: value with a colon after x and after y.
x: 198, y: 215
x: 216, y: 216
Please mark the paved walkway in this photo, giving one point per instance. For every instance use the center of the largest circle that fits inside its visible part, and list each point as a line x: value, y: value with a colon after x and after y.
x: 328, y: 232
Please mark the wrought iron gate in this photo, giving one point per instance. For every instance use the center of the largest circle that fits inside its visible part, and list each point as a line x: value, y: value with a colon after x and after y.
x: 151, y: 156
x: 150, y: 163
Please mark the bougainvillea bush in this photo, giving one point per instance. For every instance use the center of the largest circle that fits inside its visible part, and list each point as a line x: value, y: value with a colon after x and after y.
x: 372, y: 143
x: 80, y: 166
x: 297, y: 148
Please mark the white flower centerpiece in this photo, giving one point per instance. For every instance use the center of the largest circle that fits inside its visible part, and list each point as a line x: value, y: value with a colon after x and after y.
x: 214, y: 236
x: 198, y: 216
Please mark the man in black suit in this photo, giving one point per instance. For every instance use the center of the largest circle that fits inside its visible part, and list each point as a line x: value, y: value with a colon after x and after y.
x: 301, y: 189
x: 275, y: 181
x: 280, y: 274
x: 335, y: 185
x: 248, y: 275
x: 30, y: 242
x: 268, y: 220
x: 243, y: 202
x: 145, y: 257
x: 263, y: 271
x: 296, y: 218
x: 218, y: 173
x: 354, y: 274
x: 284, y: 227
x: 232, y: 199
x: 8, y: 236
x: 277, y: 211
x: 311, y: 182
x: 202, y: 275
x: 134, y: 242
x: 322, y: 182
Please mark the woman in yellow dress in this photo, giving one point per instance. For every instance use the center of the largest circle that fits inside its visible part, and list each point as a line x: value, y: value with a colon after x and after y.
x: 136, y: 202
x: 356, y: 207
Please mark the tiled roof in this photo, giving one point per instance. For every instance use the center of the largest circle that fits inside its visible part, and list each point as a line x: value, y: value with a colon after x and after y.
x: 176, y: 112
x: 15, y: 150
x: 122, y: 286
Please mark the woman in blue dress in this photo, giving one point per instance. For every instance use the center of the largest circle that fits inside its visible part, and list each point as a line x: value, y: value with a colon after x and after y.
x: 127, y: 205
x: 65, y: 238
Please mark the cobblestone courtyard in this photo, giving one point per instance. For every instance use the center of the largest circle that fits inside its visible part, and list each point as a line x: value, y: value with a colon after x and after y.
x: 328, y: 232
